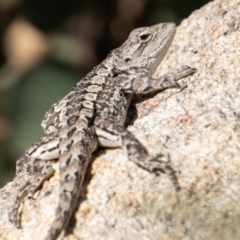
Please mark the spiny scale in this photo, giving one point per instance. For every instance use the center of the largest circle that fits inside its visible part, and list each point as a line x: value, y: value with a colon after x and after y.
x: 93, y: 114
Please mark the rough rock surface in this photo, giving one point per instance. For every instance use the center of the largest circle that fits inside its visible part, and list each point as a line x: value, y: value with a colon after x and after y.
x: 197, y: 127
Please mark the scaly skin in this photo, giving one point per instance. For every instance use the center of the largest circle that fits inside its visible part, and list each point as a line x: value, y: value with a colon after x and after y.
x: 93, y: 114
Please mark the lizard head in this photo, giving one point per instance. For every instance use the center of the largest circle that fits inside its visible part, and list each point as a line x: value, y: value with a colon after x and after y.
x: 145, y: 48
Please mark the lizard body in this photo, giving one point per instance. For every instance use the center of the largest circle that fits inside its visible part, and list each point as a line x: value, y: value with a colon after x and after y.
x: 93, y: 114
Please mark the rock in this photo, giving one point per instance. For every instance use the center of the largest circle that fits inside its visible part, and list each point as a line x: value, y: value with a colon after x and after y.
x: 198, y: 127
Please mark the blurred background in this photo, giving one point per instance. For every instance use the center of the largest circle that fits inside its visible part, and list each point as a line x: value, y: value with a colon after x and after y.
x: 47, y: 46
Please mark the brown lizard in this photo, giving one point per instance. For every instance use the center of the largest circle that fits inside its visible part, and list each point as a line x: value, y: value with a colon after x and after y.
x: 93, y: 114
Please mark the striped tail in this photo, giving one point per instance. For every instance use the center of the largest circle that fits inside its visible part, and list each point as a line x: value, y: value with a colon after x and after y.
x: 74, y: 159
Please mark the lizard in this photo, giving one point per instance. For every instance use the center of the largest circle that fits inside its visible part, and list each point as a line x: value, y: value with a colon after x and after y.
x: 93, y: 115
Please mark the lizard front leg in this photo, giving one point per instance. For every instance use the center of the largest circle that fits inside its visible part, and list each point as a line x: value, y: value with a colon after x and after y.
x: 34, y: 163
x: 113, y: 135
x: 145, y: 85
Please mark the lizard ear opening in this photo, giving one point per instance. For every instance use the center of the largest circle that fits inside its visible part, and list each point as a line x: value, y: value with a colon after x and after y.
x: 145, y: 37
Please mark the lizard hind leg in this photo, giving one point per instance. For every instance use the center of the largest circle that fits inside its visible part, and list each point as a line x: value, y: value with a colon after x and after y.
x: 45, y: 171
x: 119, y: 136
x: 137, y: 153
x: 33, y: 168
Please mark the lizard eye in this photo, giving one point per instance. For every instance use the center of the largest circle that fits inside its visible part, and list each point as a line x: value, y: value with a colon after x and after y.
x: 145, y: 37
x: 128, y: 60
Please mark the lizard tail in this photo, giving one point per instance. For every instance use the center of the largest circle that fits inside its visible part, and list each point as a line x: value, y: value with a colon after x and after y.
x: 73, y: 161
